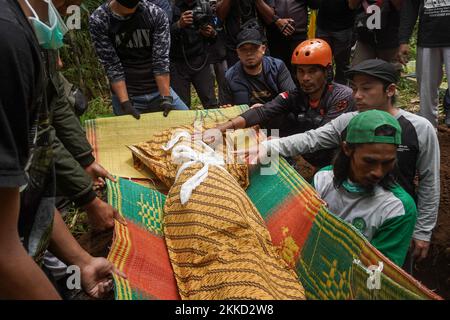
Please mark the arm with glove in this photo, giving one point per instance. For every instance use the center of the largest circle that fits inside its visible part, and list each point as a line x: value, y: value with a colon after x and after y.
x: 161, y: 63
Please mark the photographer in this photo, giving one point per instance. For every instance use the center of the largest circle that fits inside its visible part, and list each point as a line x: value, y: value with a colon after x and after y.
x: 243, y: 14
x: 192, y: 33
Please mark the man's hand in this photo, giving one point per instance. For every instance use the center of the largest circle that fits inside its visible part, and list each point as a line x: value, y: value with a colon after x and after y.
x: 212, y: 136
x: 96, y: 277
x: 128, y: 108
x: 208, y: 31
x: 98, y: 174
x: 286, y: 26
x: 186, y: 19
x: 257, y: 105
x: 101, y: 215
x: 166, y: 105
x: 226, y: 106
x: 403, y: 53
x: 420, y: 249
x: 252, y: 155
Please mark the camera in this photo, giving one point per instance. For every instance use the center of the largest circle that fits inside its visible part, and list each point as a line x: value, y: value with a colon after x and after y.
x: 202, y: 14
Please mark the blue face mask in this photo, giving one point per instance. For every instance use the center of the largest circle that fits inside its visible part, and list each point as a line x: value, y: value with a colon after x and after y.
x: 49, y: 36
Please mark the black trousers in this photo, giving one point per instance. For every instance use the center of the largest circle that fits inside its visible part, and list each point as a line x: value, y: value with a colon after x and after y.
x: 341, y: 43
x: 182, y: 76
x: 282, y: 47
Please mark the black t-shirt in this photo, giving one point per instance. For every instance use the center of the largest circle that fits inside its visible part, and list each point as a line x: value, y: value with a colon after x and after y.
x: 240, y: 12
x: 335, y: 15
x: 19, y: 78
x: 260, y: 91
x: 388, y: 36
x: 26, y: 159
x: 434, y: 22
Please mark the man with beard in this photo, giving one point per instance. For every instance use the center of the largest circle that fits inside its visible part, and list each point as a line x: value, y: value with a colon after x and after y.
x: 257, y: 79
x: 29, y: 223
x: 314, y: 103
x: 360, y: 188
x: 374, y: 86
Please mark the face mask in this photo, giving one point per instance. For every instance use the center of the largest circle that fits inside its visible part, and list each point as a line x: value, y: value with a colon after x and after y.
x: 49, y: 37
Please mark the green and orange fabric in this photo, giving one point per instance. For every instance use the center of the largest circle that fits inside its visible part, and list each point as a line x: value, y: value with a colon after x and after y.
x: 322, y: 249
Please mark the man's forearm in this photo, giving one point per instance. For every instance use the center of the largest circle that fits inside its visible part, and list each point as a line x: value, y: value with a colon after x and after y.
x: 163, y: 83
x: 20, y: 276
x: 120, y: 90
x: 265, y: 11
x: 235, y: 123
x: 223, y: 8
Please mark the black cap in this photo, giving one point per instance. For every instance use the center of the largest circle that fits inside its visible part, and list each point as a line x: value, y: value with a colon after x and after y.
x: 376, y: 68
x: 249, y: 36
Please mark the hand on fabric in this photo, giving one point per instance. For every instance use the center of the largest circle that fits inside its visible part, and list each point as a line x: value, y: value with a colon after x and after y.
x: 96, y: 277
x: 98, y: 174
x: 186, y: 19
x: 286, y: 26
x: 226, y: 106
x: 166, y: 105
x: 253, y: 154
x: 420, y: 249
x: 101, y: 215
x: 128, y: 108
x: 403, y: 53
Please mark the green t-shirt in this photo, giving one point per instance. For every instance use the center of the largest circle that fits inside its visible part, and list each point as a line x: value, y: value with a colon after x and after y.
x: 385, y: 217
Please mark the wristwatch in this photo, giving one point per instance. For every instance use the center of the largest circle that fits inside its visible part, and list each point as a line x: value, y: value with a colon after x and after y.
x: 275, y: 18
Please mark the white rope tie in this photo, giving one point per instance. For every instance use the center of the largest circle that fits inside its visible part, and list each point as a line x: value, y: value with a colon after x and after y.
x: 186, y: 156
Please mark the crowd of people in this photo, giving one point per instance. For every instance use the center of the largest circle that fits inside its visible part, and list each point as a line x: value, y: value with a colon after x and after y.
x: 330, y: 99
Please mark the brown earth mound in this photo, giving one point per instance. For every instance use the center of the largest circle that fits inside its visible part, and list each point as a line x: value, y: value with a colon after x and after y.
x: 434, y: 271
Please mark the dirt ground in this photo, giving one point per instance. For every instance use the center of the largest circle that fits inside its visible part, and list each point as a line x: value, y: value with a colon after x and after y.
x: 434, y: 271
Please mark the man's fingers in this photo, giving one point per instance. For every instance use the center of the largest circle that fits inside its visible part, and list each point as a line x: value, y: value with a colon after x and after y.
x: 110, y: 177
x: 424, y: 253
x: 119, y: 218
x: 119, y: 273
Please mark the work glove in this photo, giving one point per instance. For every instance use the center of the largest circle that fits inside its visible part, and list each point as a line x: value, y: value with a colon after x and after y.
x: 166, y: 104
x: 128, y: 108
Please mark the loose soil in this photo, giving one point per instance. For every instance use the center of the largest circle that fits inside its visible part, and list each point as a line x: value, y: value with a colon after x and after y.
x: 434, y: 271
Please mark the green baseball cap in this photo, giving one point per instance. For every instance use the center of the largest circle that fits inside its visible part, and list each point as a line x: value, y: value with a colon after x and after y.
x: 362, y: 128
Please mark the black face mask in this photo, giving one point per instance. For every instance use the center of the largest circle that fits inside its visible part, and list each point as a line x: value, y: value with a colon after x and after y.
x: 130, y: 4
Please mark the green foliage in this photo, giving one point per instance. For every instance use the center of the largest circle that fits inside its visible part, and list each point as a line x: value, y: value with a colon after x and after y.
x: 81, y: 65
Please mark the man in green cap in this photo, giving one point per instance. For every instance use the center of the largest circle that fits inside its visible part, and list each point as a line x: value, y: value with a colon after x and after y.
x: 360, y: 187
x: 374, y: 87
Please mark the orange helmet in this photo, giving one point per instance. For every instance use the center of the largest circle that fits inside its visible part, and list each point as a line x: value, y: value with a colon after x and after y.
x: 313, y: 51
